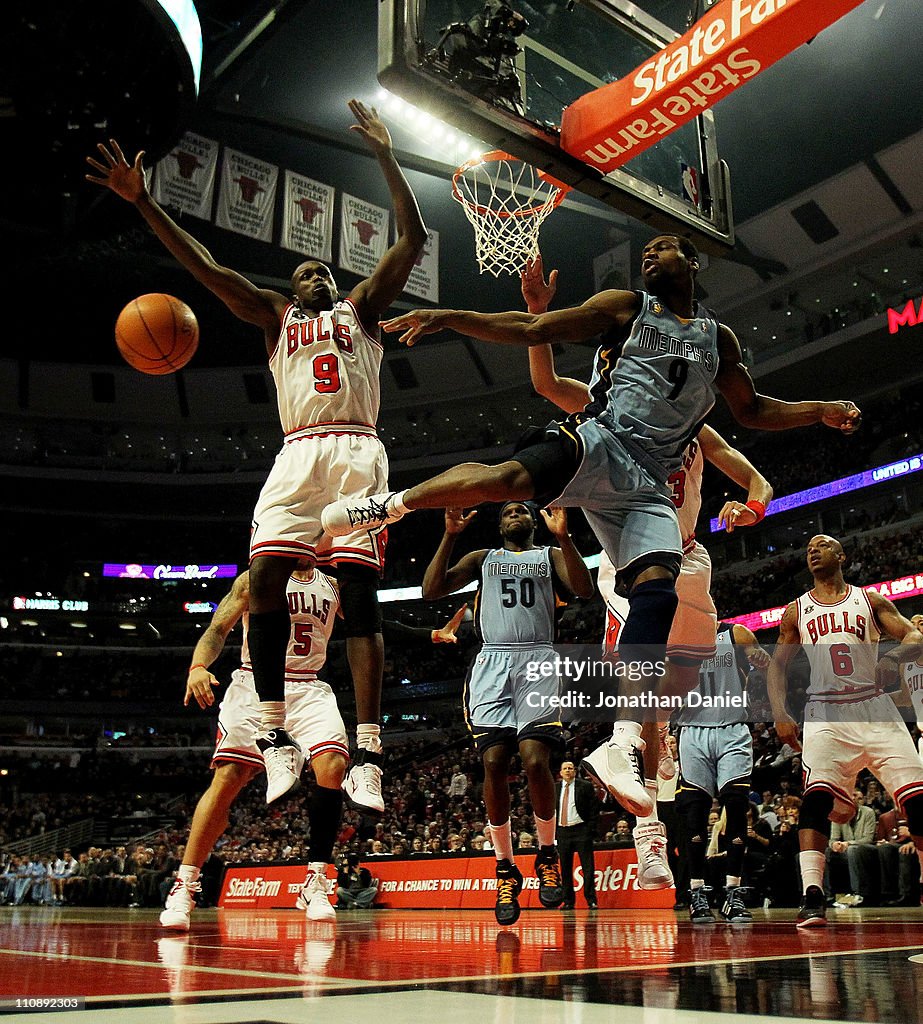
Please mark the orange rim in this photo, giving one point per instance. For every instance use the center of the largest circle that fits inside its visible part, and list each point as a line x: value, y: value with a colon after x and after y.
x: 496, y: 156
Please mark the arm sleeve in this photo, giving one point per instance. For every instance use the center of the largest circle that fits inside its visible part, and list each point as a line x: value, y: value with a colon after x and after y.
x: 394, y: 632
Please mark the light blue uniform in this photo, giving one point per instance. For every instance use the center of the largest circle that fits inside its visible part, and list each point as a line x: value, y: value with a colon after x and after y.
x: 649, y: 398
x: 715, y: 745
x: 515, y: 619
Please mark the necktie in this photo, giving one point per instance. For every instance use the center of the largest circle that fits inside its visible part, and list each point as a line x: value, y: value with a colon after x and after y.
x: 565, y: 794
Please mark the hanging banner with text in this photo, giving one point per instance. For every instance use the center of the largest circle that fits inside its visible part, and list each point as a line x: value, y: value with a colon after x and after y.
x: 452, y: 883
x: 363, y: 235
x: 307, y: 217
x: 248, y: 195
x: 424, y: 277
x: 185, y: 179
x: 726, y: 47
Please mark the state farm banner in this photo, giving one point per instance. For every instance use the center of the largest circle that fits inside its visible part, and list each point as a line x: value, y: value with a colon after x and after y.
x: 363, y: 235
x: 307, y: 217
x: 248, y: 195
x: 452, y: 883
x: 185, y: 178
x: 424, y: 278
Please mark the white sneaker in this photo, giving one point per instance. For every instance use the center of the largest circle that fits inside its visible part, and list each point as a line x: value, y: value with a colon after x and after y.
x: 666, y: 766
x: 314, y: 898
x: 651, y: 844
x: 283, y: 760
x: 362, y: 784
x: 351, y: 514
x: 616, y: 764
x: 179, y: 905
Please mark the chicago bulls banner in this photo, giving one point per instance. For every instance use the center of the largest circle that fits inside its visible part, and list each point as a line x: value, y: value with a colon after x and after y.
x: 248, y: 195
x: 185, y: 178
x: 453, y: 883
x: 307, y: 217
x: 363, y: 235
x: 424, y: 278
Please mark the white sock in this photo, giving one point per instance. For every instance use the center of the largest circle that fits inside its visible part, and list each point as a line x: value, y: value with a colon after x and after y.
x: 545, y: 829
x: 397, y: 502
x: 650, y: 785
x: 732, y: 881
x: 626, y: 731
x: 188, y: 872
x: 812, y: 864
x: 272, y: 715
x: 367, y: 738
x: 502, y: 838
x: 696, y: 883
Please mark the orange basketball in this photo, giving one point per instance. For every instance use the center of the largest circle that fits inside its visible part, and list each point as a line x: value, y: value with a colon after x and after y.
x: 157, y: 333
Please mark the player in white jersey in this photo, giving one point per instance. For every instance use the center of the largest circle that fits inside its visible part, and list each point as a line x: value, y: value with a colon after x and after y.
x: 913, y: 680
x: 325, y: 357
x: 313, y: 718
x: 851, y: 721
x: 692, y: 634
x: 661, y: 360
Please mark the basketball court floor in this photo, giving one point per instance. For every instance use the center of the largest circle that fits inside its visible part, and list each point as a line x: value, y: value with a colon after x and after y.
x: 461, y: 967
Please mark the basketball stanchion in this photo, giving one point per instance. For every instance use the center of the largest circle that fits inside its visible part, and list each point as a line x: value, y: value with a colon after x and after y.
x: 506, y: 200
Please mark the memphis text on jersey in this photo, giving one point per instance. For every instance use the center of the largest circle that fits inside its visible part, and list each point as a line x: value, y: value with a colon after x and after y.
x: 652, y: 339
x: 517, y: 569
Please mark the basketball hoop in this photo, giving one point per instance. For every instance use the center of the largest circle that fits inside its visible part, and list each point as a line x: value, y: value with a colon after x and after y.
x: 506, y: 200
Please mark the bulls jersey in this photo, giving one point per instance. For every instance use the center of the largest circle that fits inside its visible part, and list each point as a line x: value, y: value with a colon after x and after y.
x: 913, y: 675
x: 313, y: 608
x: 841, y: 643
x: 656, y: 387
x: 515, y: 602
x: 723, y: 676
x: 326, y: 369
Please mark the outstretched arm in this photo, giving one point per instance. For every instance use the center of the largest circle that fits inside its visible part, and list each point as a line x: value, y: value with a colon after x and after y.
x: 602, y: 311
x: 260, y: 306
x: 737, y: 467
x: 566, y: 393
x: 764, y: 413
x: 777, y: 677
x: 374, y: 295
x: 569, y: 566
x: 200, y: 682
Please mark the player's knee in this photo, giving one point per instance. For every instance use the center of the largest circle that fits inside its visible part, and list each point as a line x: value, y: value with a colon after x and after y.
x: 913, y: 812
x: 816, y: 808
x: 509, y: 480
x: 230, y: 777
x: 652, y: 605
x: 496, y: 760
x: 359, y: 600
x: 693, y: 805
x: 268, y: 578
x: 735, y: 799
x: 535, y: 762
x: 330, y: 770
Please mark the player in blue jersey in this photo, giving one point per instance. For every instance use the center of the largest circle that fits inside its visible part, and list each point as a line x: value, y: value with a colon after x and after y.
x: 661, y: 360
x: 518, y: 588
x: 716, y: 760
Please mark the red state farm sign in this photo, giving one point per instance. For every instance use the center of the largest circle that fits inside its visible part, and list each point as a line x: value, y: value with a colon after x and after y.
x: 453, y: 883
x: 730, y: 44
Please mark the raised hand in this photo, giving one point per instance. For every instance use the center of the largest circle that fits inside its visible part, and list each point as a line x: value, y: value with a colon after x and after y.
x: 125, y: 180
x: 456, y: 520
x: 536, y: 291
x: 370, y: 126
x: 844, y: 416
x: 556, y: 521
x: 448, y: 633
x: 414, y: 324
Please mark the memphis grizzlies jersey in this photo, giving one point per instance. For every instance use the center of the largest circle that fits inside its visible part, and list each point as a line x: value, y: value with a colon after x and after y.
x: 515, y: 602
x: 913, y: 676
x: 656, y: 388
x: 326, y: 368
x: 312, y: 606
x: 841, y: 643
x: 720, y: 678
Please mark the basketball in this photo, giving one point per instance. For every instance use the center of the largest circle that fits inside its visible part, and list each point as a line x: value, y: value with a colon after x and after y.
x: 157, y: 333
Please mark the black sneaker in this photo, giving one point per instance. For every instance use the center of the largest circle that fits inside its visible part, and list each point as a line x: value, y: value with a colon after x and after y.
x: 699, y: 909
x: 509, y: 886
x: 734, y: 909
x: 548, y: 872
x: 813, y: 913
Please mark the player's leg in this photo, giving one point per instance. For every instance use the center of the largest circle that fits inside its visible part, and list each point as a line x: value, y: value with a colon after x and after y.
x: 209, y: 821
x: 496, y: 752
x: 697, y: 787
x: 535, y: 754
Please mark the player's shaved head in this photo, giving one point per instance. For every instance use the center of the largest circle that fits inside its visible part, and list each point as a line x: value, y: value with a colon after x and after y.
x: 832, y: 541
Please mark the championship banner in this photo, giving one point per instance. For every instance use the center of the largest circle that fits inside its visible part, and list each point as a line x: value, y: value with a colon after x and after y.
x: 185, y: 178
x: 248, y: 195
x: 307, y: 217
x: 726, y: 47
x: 612, y: 268
x: 450, y: 883
x: 363, y: 235
x: 424, y: 277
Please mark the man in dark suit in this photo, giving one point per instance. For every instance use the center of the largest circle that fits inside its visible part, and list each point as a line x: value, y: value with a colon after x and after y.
x: 578, y: 812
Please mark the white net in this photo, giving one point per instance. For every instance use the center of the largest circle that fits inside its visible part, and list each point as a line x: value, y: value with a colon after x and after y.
x: 507, y: 201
